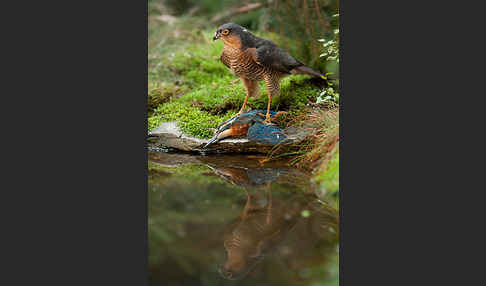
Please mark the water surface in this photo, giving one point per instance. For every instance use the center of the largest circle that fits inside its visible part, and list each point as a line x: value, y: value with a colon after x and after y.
x: 229, y: 220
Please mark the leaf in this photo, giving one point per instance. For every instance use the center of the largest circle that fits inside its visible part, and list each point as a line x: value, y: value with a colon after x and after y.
x: 305, y: 213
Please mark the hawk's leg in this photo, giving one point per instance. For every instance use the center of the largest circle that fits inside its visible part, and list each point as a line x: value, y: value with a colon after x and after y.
x: 267, y: 116
x: 273, y: 89
x: 269, y: 207
x: 251, y: 90
x: 244, y: 214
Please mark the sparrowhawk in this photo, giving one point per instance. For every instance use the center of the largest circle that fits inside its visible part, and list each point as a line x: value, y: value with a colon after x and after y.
x: 254, y: 59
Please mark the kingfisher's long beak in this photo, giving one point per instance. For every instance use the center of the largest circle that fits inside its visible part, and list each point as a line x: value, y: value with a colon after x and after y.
x: 216, y: 36
x: 212, y: 140
x: 219, y: 136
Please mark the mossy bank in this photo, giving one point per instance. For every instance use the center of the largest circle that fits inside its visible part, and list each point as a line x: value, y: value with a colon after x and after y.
x: 205, y: 93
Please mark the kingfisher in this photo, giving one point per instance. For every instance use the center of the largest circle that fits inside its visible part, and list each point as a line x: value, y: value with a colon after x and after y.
x: 252, y: 125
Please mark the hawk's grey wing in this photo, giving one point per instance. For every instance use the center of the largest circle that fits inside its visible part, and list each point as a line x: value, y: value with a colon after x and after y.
x: 270, y: 55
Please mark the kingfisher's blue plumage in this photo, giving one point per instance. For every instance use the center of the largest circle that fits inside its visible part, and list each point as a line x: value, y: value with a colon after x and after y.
x: 257, y: 115
x: 257, y: 131
x: 265, y: 134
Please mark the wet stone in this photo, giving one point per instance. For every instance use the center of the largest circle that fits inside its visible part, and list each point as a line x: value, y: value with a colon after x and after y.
x: 168, y: 135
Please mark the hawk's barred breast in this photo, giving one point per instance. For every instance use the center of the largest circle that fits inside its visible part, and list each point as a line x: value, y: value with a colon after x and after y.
x: 242, y: 64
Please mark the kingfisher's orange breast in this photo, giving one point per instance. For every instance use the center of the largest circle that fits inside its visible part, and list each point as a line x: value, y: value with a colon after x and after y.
x: 239, y: 129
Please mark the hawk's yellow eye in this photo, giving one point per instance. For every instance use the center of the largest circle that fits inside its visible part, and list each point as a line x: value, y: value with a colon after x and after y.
x: 225, y: 32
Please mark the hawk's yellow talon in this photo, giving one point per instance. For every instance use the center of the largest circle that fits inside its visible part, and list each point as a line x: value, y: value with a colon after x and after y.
x: 268, y: 120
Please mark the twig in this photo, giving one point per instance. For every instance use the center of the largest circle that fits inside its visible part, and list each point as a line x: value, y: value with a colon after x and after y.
x: 193, y: 10
x: 236, y: 11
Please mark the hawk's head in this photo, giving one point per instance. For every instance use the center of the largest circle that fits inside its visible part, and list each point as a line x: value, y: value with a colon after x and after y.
x: 231, y: 34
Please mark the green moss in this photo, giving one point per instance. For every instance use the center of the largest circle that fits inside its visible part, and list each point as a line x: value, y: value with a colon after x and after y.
x: 190, y: 119
x: 295, y: 93
x: 161, y: 92
x: 329, y: 176
x: 216, y: 98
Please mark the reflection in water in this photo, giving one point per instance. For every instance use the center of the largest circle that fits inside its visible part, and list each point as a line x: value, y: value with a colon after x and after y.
x: 244, y: 177
x: 221, y: 218
x: 264, y: 224
x: 251, y: 235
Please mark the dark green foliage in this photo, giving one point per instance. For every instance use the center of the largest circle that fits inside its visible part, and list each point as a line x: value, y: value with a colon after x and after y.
x: 299, y: 23
x: 196, y: 7
x: 329, y: 176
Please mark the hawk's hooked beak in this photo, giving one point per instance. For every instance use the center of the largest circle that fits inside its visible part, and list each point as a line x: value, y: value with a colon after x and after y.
x: 216, y: 36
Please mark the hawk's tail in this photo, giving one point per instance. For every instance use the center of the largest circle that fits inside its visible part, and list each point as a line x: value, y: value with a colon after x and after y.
x: 309, y: 71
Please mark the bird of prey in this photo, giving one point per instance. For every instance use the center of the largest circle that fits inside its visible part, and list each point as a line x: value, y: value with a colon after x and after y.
x: 254, y: 59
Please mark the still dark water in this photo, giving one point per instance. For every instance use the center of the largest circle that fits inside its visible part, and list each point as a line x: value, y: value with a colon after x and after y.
x: 228, y: 220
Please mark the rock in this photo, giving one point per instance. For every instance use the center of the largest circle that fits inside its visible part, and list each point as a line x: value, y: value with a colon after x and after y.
x: 168, y: 135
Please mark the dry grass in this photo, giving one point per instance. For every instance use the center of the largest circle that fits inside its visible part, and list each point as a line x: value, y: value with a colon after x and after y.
x: 317, y: 148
